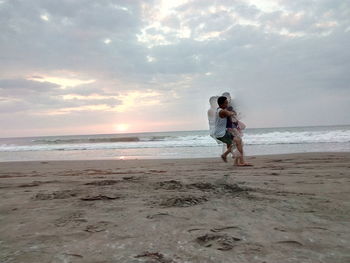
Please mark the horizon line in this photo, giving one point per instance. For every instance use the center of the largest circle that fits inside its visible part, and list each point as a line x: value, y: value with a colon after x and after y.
x: 129, y: 133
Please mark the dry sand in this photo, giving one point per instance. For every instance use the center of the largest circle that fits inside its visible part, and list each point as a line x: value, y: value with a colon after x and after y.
x: 287, y: 208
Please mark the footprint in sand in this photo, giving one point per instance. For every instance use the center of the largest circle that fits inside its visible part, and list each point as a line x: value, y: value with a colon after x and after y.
x: 97, y: 227
x: 103, y: 182
x: 32, y: 184
x: 169, y: 185
x: 155, y: 257
x: 218, y: 241
x: 75, y: 218
x: 222, y: 188
x: 250, y: 249
x: 157, y: 171
x: 131, y: 178
x: 183, y: 201
x: 280, y: 229
x: 219, y: 229
x: 290, y: 243
x: 275, y: 161
x: 202, y: 186
x: 159, y: 215
x: 99, y: 197
x: 64, y: 194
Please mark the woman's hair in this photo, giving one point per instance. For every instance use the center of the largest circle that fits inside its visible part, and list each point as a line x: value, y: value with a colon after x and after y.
x: 221, y: 100
x: 213, y: 100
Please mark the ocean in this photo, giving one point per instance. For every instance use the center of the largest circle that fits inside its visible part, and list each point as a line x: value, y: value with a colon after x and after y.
x: 170, y: 145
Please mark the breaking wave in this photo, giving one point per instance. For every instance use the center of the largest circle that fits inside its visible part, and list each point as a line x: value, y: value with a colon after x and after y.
x: 176, y: 139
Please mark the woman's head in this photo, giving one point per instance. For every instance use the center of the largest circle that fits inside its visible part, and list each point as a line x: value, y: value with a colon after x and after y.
x: 213, y: 101
x: 227, y: 95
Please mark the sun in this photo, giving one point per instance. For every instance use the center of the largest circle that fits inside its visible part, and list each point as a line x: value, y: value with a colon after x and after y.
x: 121, y: 127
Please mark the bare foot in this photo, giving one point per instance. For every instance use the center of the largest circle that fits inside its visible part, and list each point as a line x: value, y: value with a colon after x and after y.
x: 224, y: 158
x: 244, y: 164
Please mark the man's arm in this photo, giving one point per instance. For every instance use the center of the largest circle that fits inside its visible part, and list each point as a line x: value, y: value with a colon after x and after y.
x: 226, y: 113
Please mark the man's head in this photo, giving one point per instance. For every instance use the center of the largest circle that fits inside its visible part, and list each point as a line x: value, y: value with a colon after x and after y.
x: 223, y: 102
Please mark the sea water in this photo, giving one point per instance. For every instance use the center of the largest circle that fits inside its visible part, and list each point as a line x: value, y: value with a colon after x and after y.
x: 179, y: 144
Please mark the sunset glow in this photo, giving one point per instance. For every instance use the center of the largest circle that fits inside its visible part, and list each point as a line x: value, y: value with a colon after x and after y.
x: 121, y: 127
x: 138, y: 66
x: 63, y: 82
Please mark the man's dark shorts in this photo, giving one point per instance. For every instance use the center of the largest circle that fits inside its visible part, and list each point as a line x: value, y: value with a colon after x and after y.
x: 227, y: 138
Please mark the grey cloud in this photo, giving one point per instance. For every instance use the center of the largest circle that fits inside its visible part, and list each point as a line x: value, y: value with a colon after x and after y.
x: 171, y: 21
x: 13, y: 87
x: 265, y: 69
x: 20, y: 95
x: 26, y: 121
x: 86, y: 89
x: 75, y: 46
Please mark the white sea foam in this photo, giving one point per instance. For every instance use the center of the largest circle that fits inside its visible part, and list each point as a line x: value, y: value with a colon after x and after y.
x: 189, y: 139
x: 337, y: 136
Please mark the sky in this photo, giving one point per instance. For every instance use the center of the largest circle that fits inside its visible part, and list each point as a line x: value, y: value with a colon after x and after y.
x: 101, y: 67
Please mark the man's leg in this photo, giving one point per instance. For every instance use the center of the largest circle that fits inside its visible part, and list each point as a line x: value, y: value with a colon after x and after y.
x: 224, y: 155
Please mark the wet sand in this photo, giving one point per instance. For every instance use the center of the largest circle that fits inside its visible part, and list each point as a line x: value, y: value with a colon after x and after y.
x: 287, y: 208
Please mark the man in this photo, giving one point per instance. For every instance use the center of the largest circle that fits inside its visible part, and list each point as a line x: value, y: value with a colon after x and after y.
x: 225, y: 136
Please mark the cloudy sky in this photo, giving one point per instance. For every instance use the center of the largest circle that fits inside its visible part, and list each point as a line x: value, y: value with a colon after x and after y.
x: 87, y: 67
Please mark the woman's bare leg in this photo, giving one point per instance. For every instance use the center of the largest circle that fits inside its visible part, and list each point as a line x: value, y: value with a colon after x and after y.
x: 240, y: 159
x: 239, y: 146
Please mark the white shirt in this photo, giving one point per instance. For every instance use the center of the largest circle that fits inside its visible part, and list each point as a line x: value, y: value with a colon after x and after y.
x: 220, y: 124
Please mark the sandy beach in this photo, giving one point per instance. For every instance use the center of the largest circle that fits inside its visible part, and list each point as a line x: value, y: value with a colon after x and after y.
x: 287, y: 208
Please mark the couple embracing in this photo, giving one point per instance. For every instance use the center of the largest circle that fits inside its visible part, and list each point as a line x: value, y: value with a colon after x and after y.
x: 227, y: 130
